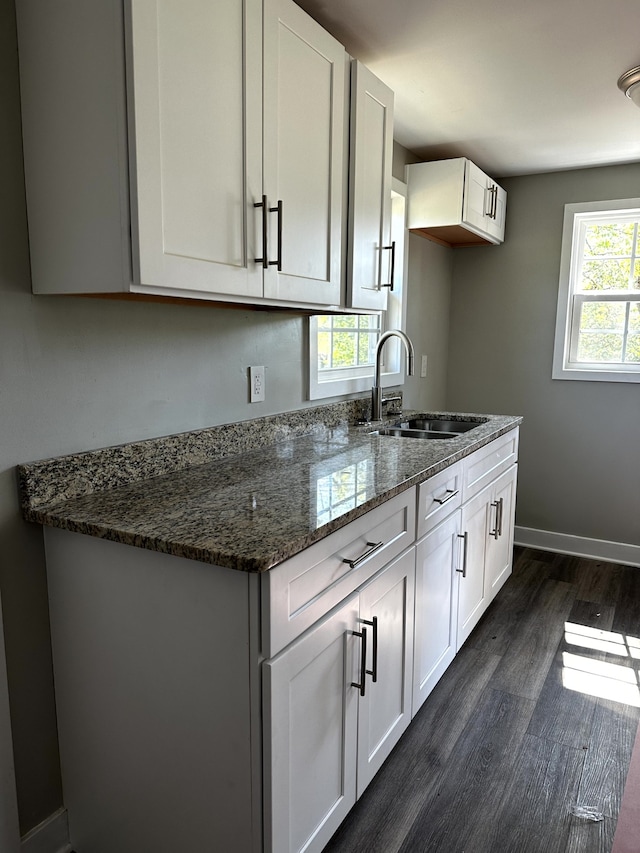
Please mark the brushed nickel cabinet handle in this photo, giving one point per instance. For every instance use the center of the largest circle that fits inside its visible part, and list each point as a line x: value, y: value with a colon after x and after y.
x: 278, y: 262
x: 450, y: 493
x: 465, y: 536
x: 495, y: 533
x: 361, y: 685
x: 373, y: 672
x: 500, y: 513
x: 372, y: 546
x: 264, y: 260
x: 392, y: 274
x: 489, y: 198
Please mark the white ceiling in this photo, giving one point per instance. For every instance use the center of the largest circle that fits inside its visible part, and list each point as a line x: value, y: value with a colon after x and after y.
x: 519, y: 86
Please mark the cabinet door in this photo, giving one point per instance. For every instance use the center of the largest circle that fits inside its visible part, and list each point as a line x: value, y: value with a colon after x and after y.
x: 195, y: 133
x: 385, y: 708
x: 472, y: 600
x: 304, y: 155
x: 310, y: 729
x: 499, y: 556
x: 476, y: 198
x: 438, y: 562
x: 371, y: 254
x: 484, y: 204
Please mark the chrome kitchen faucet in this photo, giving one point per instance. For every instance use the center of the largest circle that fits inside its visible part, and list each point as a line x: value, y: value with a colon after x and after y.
x: 376, y: 391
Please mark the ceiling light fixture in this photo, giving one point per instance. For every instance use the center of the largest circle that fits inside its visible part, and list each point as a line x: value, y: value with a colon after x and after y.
x: 629, y: 83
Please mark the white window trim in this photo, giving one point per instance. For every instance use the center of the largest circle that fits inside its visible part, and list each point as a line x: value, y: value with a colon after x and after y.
x: 393, y: 318
x: 574, y: 214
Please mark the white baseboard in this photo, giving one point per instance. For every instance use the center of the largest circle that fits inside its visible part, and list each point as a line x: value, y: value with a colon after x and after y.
x: 50, y: 836
x: 578, y: 546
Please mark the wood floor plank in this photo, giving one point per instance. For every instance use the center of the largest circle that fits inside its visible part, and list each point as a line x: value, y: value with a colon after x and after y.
x: 603, y: 777
x: 561, y: 714
x: 607, y: 759
x: 534, y: 815
x: 473, y: 780
x: 627, y: 618
x: 503, y: 619
x: 388, y: 808
x: 525, y: 665
x: 564, y: 567
x: 533, y: 554
x: 587, y: 836
x: 598, y: 581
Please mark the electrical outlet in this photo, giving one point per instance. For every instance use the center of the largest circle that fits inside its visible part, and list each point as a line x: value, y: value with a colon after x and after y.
x: 256, y: 385
x: 423, y: 368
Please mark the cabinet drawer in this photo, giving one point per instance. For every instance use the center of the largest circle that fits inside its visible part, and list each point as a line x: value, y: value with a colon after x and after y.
x: 301, y: 590
x: 483, y: 466
x: 438, y: 497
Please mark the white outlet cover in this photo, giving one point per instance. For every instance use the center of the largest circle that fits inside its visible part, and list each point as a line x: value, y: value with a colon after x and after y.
x: 256, y: 384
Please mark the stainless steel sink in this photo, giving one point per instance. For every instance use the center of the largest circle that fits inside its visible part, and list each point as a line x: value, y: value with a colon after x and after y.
x: 425, y: 427
x: 437, y: 425
x: 402, y: 432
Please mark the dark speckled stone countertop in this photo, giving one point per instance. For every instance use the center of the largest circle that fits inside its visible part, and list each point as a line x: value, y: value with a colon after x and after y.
x: 246, y: 496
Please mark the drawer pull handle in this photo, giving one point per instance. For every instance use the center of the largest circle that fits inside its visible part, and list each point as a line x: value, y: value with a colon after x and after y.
x: 450, y: 493
x: 496, y: 530
x: 363, y: 661
x: 372, y: 546
x: 463, y: 570
x: 500, y: 512
x: 373, y: 672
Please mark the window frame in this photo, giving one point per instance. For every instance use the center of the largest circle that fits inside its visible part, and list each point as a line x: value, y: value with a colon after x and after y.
x: 576, y: 217
x: 394, y: 317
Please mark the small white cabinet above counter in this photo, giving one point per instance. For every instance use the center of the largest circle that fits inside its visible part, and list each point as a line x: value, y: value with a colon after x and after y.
x: 454, y: 203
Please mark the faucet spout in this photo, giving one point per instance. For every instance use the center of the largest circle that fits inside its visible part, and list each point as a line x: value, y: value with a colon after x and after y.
x: 376, y: 391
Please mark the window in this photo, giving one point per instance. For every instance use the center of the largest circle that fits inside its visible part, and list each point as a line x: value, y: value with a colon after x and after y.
x: 342, y: 346
x: 598, y: 320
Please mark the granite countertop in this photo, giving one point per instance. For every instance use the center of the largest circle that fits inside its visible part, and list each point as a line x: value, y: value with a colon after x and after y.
x: 246, y: 496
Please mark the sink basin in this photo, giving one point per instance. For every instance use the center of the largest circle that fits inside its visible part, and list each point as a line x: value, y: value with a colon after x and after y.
x: 403, y: 432
x: 437, y: 425
x: 426, y: 427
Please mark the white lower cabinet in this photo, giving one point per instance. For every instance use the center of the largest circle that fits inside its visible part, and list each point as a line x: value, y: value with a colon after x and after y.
x: 335, y: 702
x: 310, y: 734
x: 466, y: 518
x: 487, y: 528
x: 472, y: 600
x: 384, y: 711
x: 436, y: 616
x: 248, y: 713
x: 499, y: 552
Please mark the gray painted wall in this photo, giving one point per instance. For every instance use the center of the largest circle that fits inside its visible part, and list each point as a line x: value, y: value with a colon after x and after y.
x: 579, y: 453
x: 78, y: 374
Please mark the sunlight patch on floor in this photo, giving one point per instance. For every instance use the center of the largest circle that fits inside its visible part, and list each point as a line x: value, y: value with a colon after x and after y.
x: 598, y: 678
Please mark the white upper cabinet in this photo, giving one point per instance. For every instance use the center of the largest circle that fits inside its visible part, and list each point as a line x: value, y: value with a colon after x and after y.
x: 454, y: 203
x: 304, y: 156
x: 195, y: 133
x: 144, y: 152
x: 371, y: 256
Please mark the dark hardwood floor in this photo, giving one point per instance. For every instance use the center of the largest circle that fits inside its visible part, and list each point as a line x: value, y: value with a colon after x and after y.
x: 536, y: 715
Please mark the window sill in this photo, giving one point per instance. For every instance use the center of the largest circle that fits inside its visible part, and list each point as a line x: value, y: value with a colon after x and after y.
x: 340, y: 387
x: 595, y: 374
